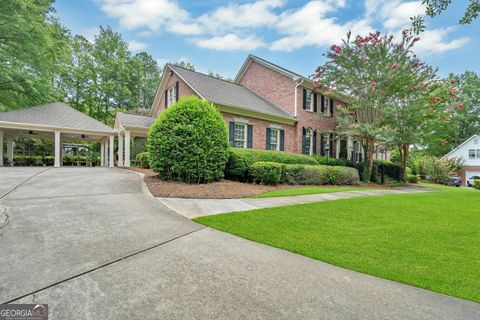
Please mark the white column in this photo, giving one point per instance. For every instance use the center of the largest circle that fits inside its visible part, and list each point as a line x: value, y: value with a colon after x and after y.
x: 120, y: 150
x: 106, y: 153
x: 102, y: 153
x: 1, y: 148
x: 127, y: 149
x: 337, y: 148
x: 349, y: 148
x: 10, y: 150
x: 58, y: 150
x: 110, y: 157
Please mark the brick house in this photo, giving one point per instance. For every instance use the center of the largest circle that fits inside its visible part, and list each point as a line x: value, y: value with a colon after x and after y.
x: 469, y: 152
x: 266, y: 107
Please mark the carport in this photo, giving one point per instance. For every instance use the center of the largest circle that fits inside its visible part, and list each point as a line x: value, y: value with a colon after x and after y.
x: 58, y: 122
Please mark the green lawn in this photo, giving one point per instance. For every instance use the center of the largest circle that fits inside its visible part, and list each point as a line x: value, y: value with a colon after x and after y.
x: 308, y: 190
x: 429, y: 240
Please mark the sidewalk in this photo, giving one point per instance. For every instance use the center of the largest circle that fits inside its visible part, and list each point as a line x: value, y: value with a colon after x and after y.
x: 193, y: 208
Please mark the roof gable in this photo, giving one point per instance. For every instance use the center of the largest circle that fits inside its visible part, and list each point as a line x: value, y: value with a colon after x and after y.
x: 128, y: 120
x: 462, y: 144
x: 57, y: 115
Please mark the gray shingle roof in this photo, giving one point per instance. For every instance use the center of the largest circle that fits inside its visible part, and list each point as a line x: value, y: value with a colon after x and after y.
x: 134, y: 120
x: 55, y: 115
x: 229, y: 94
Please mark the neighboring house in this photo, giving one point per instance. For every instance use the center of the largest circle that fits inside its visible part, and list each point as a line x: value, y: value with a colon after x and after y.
x: 469, y: 152
x: 266, y: 107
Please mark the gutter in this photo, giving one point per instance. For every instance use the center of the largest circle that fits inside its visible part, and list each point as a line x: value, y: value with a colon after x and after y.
x: 296, y: 94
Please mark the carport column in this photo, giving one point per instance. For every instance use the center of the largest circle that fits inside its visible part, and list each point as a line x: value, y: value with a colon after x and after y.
x: 120, y: 150
x: 127, y: 149
x: 112, y: 144
x: 1, y: 148
x: 58, y: 150
x: 10, y: 150
x: 102, y: 155
x: 106, y: 153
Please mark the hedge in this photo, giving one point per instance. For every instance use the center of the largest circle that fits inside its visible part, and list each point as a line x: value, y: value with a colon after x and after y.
x: 143, y: 159
x: 327, y: 161
x: 476, y: 184
x: 39, y: 161
x: 189, y: 142
x: 275, y: 173
x: 379, y: 168
x: 412, y: 178
x: 240, y: 161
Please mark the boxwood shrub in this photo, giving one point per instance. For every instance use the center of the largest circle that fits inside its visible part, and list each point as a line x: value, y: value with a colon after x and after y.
x: 189, y: 142
x: 143, y: 159
x: 327, y: 161
x: 476, y: 184
x: 274, y: 173
x: 39, y: 161
x: 240, y: 161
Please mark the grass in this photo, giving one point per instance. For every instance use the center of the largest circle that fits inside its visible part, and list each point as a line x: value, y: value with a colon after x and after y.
x: 428, y: 240
x: 307, y: 190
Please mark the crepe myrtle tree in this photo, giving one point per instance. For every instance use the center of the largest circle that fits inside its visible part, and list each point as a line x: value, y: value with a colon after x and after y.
x: 363, y: 70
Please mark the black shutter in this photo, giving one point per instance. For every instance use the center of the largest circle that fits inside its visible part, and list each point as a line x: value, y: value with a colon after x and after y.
x: 331, y: 107
x: 166, y: 99
x: 231, y: 132
x: 322, y: 106
x: 315, y: 102
x: 249, y: 136
x: 304, y: 98
x: 176, y: 91
x: 331, y: 145
x: 267, y: 139
x: 315, y: 142
x: 303, y: 140
x: 282, y: 140
x: 322, y: 144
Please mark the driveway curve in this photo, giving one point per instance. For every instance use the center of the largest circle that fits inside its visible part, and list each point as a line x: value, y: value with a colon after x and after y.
x: 94, y: 244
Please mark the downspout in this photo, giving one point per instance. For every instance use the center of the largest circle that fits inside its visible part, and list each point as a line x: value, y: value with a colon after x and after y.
x: 296, y: 94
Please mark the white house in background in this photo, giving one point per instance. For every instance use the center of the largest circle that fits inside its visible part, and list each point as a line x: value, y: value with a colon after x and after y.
x: 469, y: 151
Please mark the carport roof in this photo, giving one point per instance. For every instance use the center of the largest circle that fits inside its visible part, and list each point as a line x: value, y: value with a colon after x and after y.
x: 129, y: 120
x: 53, y: 116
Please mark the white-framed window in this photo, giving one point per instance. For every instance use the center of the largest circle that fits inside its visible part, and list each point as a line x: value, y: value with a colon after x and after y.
x: 471, y: 154
x: 309, y: 100
x: 274, y: 139
x: 240, y: 135
x: 326, y: 108
x: 308, y: 142
x: 171, y: 95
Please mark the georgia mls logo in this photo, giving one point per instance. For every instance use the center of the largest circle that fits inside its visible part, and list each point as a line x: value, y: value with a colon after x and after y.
x: 23, y: 311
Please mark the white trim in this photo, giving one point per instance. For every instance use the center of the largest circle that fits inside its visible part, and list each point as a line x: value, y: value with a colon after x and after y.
x: 41, y: 127
x: 58, y: 147
x: 462, y: 144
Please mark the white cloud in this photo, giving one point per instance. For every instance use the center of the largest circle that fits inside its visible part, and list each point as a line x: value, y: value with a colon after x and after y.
x: 248, y: 15
x: 433, y: 42
x: 149, y: 14
x: 310, y: 25
x: 135, y: 45
x: 230, y: 42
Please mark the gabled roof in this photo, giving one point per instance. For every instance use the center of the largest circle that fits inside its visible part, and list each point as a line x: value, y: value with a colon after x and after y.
x: 229, y: 94
x: 293, y: 75
x: 57, y: 115
x: 477, y: 136
x: 133, y: 120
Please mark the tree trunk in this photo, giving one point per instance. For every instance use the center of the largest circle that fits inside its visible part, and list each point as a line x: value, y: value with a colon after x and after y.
x: 368, y: 148
x: 404, y: 152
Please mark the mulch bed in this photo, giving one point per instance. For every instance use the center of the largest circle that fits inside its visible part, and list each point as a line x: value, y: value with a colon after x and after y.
x: 224, y: 189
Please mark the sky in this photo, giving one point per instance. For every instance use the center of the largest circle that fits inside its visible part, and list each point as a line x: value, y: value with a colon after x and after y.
x: 218, y: 35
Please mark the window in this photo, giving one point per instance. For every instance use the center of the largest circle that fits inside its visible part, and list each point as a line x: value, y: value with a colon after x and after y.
x: 471, y: 154
x: 274, y: 139
x: 240, y: 135
x: 308, y: 141
x: 171, y: 95
x: 326, y: 108
x: 478, y: 153
x: 309, y: 100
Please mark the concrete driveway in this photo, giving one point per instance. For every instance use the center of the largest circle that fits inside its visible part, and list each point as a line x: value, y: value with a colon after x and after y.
x: 93, y: 244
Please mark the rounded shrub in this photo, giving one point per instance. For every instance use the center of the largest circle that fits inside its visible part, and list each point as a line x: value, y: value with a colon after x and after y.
x: 267, y: 172
x: 143, y: 159
x: 189, y: 142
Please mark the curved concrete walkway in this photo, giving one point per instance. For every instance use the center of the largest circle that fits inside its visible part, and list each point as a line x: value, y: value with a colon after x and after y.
x: 93, y: 244
x: 193, y: 208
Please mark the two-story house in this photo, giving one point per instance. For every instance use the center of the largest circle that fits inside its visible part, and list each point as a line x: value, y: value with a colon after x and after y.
x: 469, y: 152
x: 266, y: 107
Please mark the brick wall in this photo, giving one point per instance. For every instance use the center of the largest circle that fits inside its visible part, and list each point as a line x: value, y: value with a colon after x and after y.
x: 259, y: 130
x: 463, y: 171
x: 183, y: 88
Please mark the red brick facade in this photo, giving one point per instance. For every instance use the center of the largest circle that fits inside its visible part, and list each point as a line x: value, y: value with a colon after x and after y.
x: 462, y: 173
x: 183, y: 88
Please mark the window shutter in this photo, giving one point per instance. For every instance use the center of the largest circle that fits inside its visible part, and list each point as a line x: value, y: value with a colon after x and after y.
x: 315, y: 102
x: 322, y: 105
x: 331, y: 107
x: 331, y: 145
x: 303, y: 140
x: 267, y: 139
x: 322, y: 144
x: 282, y: 140
x: 304, y: 98
x: 176, y: 92
x: 249, y: 136
x: 315, y: 142
x: 231, y: 133
x: 166, y: 99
